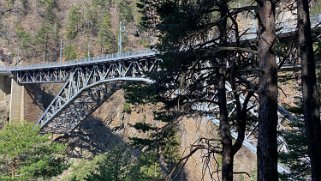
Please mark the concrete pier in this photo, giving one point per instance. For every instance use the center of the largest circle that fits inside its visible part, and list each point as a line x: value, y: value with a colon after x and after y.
x: 16, y: 102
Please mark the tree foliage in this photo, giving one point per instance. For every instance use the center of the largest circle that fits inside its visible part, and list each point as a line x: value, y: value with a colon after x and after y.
x: 25, y: 38
x: 47, y: 10
x: 117, y: 164
x: 47, y: 38
x: 297, y: 156
x: 106, y: 37
x: 25, y: 155
x: 162, y: 145
x: 126, y: 12
x: 94, y: 20
x: 70, y: 52
x: 73, y: 24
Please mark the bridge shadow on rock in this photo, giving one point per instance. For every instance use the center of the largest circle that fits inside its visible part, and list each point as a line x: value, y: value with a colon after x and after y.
x: 39, y: 95
x: 37, y: 99
x: 91, y: 137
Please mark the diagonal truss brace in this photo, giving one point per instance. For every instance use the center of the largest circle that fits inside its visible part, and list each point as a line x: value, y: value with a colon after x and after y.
x: 43, y: 76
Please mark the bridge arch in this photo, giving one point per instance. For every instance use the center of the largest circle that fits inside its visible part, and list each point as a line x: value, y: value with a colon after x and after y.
x: 87, y: 88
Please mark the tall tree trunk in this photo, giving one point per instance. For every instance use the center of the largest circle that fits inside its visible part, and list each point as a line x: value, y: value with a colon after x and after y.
x: 227, y: 154
x: 267, y: 139
x: 309, y: 89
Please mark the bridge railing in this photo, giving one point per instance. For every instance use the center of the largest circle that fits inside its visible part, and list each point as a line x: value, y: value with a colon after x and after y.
x: 89, y: 60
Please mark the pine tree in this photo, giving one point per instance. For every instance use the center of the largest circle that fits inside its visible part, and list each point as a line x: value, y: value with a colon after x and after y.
x: 73, y: 23
x: 24, y: 37
x: 47, y: 8
x: 70, y: 52
x: 267, y: 134
x: 195, y: 50
x: 125, y: 11
x: 311, y: 102
x: 106, y: 37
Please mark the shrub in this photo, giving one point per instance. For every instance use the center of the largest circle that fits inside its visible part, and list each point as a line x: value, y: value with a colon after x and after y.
x: 116, y: 164
x: 127, y: 109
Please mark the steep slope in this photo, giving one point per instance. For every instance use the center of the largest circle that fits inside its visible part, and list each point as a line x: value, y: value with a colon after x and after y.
x: 33, y: 30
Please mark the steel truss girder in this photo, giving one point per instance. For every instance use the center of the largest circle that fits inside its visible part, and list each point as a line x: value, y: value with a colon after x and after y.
x: 131, y: 67
x: 42, y: 76
x: 70, y: 105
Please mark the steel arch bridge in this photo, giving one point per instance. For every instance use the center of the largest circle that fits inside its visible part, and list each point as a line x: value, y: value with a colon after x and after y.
x: 87, y: 84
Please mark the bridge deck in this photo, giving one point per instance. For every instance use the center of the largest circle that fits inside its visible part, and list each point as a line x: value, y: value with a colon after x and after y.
x: 81, y: 62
